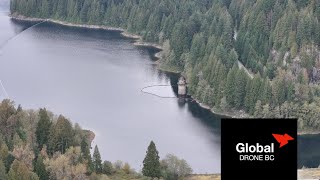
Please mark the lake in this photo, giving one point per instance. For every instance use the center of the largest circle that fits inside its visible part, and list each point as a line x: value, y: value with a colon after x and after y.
x: 95, y: 78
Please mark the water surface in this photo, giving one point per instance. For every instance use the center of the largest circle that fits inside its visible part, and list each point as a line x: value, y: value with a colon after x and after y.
x: 95, y: 77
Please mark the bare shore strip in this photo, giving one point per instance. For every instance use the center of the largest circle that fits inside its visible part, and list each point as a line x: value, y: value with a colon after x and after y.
x: 138, y: 39
x: 303, y: 174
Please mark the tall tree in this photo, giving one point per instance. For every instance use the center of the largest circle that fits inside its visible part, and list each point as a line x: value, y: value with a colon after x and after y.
x: 231, y: 86
x: 40, y: 169
x: 151, y: 163
x: 96, y: 160
x: 240, y: 88
x: 43, y: 128
x: 61, y: 136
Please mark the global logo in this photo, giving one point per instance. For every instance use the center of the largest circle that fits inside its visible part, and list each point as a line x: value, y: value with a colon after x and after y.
x: 258, y: 152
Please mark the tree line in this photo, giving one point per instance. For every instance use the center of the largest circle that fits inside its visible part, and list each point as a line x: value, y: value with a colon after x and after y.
x: 38, y: 145
x: 276, y: 40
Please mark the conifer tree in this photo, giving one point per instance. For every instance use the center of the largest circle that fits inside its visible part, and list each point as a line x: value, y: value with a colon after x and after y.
x: 96, y: 160
x: 240, y: 88
x: 43, y: 128
x: 61, y: 136
x: 230, y: 86
x: 40, y: 169
x: 151, y: 163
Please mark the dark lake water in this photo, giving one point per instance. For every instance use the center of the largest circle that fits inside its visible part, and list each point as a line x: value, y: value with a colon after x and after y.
x: 95, y: 78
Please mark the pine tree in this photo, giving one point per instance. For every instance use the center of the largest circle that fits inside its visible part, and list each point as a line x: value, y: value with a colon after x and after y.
x: 151, y: 163
x: 43, y: 128
x: 85, y: 149
x: 230, y: 86
x: 40, y: 169
x: 96, y: 160
x: 61, y: 136
x: 240, y: 88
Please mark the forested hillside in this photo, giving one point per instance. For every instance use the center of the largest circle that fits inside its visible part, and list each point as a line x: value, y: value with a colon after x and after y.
x: 28, y: 138
x: 38, y: 145
x: 278, y: 40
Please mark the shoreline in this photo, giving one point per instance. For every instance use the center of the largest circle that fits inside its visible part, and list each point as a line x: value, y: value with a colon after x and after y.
x: 138, y: 42
x: 240, y: 114
x: 307, y: 133
x: 123, y: 32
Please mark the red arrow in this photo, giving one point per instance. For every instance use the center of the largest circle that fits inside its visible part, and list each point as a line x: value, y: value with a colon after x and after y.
x: 282, y: 139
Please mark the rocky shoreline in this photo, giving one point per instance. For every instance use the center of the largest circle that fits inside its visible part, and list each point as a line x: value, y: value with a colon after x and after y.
x: 237, y: 114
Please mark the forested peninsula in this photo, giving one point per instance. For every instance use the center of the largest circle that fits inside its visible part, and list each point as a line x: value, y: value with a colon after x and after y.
x: 278, y: 41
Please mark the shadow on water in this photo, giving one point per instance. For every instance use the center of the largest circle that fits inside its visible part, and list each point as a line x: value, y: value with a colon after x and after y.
x: 20, y: 26
x: 204, y: 116
x: 151, y: 51
x: 309, y: 150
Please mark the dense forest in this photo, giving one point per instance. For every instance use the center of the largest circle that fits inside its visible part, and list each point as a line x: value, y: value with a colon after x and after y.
x: 38, y: 145
x: 277, y: 40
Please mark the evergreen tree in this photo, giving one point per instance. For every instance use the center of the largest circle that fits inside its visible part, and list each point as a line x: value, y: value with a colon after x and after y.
x: 85, y: 149
x: 8, y: 162
x: 43, y: 128
x: 240, y: 88
x: 85, y: 154
x: 40, y: 169
x: 61, y: 136
x: 96, y: 160
x: 231, y: 86
x: 151, y: 163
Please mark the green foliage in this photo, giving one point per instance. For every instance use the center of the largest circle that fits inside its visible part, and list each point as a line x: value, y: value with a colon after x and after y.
x: 96, y: 160
x: 174, y: 168
x: 68, y: 154
x: 107, y: 168
x: 40, y: 169
x: 19, y: 170
x: 9, y: 160
x: 85, y: 149
x: 3, y: 174
x: 231, y: 86
x: 151, y: 163
x: 61, y: 136
x: 43, y: 128
x: 240, y: 88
